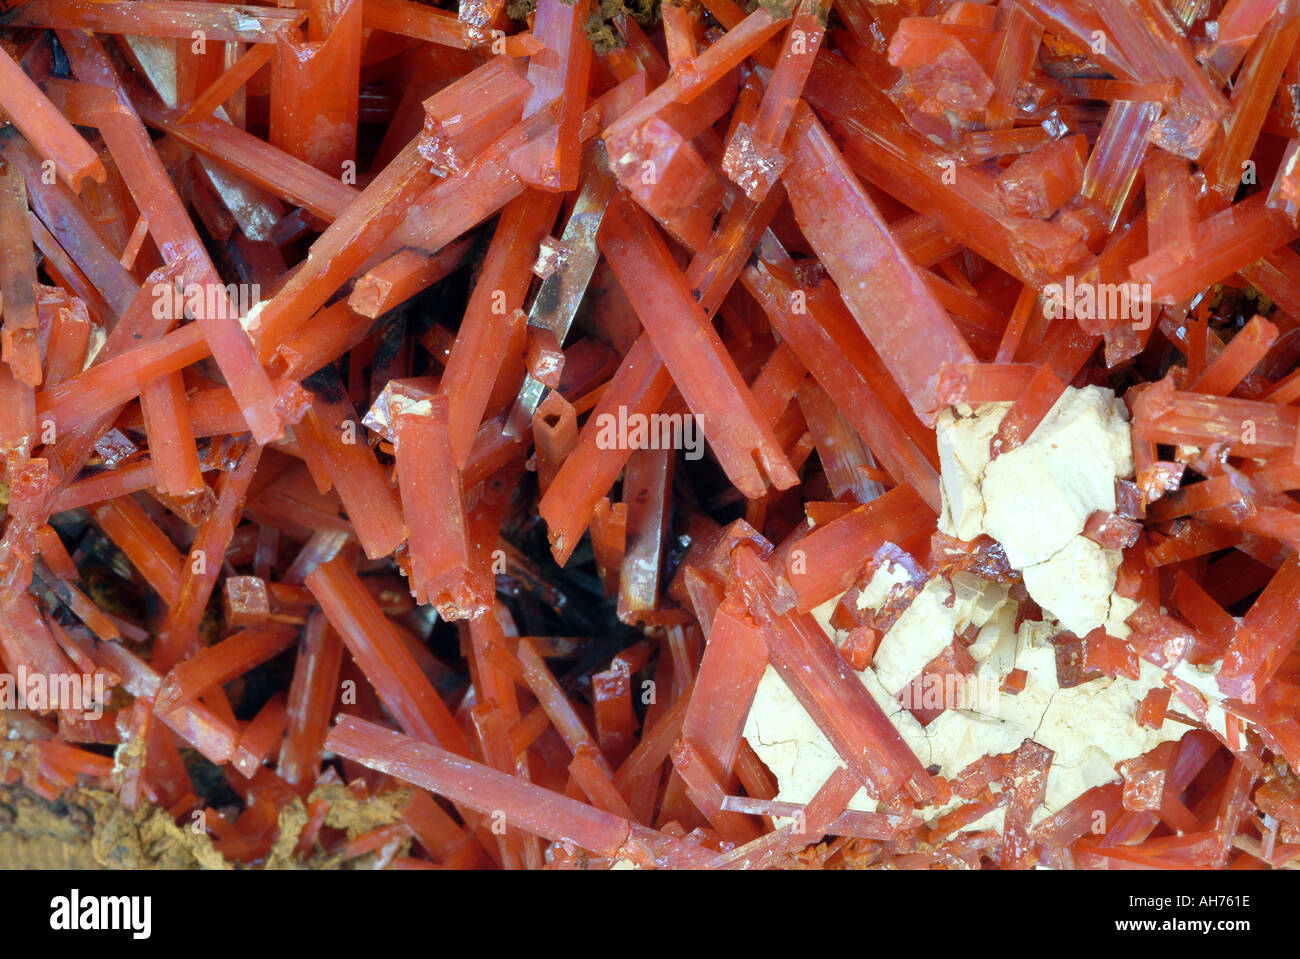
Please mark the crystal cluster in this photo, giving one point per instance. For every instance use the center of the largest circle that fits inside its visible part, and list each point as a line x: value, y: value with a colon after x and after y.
x: 853, y: 435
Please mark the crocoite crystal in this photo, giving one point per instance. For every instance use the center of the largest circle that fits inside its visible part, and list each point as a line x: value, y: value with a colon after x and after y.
x: 824, y: 435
